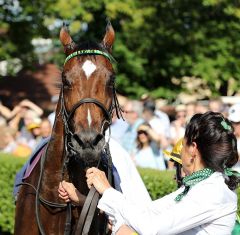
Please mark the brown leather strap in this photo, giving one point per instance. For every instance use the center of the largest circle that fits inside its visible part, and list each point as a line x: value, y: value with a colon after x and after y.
x: 84, y: 211
x: 90, y: 214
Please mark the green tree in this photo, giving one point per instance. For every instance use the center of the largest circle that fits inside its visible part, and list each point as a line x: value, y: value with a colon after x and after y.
x: 157, y: 42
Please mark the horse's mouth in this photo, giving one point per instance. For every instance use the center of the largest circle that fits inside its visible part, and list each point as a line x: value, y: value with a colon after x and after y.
x: 87, y: 158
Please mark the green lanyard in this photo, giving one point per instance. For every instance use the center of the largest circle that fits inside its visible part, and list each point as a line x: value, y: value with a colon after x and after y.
x: 191, y: 180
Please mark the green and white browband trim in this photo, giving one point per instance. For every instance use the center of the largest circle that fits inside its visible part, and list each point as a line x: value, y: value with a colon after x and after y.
x: 89, y: 52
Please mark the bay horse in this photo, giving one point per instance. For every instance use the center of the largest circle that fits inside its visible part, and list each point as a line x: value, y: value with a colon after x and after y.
x: 84, y: 111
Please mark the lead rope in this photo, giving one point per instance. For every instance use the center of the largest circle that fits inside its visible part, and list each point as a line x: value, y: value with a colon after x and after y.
x: 90, y: 205
x: 86, y: 210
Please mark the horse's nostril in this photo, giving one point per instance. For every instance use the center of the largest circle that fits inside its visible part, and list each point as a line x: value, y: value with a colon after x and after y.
x: 97, y: 139
x: 78, y: 139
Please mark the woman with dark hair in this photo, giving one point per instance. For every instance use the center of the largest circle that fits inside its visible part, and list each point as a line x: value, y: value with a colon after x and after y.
x: 148, y: 153
x: 205, y: 204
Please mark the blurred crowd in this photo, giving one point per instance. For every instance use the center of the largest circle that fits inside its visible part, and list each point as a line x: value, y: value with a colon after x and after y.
x: 150, y: 128
x: 22, y: 128
x: 147, y: 130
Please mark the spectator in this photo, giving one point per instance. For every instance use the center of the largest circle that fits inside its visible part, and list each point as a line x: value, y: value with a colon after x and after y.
x: 177, y: 128
x: 9, y: 139
x: 201, y: 107
x: 17, y: 121
x: 25, y: 138
x: 156, y: 123
x: 215, y: 105
x: 51, y: 116
x: 34, y: 129
x: 234, y: 117
x: 164, y: 118
x: 148, y: 154
x: 45, y: 128
x: 132, y: 114
x: 118, y: 127
x: 190, y: 110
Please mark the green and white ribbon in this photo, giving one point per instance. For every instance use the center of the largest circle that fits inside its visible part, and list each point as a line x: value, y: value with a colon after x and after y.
x: 191, y: 180
x: 89, y: 52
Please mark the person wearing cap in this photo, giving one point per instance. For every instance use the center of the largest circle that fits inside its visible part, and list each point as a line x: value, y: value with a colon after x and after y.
x: 234, y: 118
x: 205, y: 204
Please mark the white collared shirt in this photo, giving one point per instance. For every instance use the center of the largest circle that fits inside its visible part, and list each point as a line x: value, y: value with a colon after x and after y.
x: 208, y: 208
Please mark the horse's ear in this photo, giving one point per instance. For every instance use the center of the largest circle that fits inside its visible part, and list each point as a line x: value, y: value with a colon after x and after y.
x: 66, y: 40
x: 109, y: 37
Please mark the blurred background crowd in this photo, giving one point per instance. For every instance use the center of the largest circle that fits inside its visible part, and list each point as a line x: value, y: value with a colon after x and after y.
x: 148, y: 127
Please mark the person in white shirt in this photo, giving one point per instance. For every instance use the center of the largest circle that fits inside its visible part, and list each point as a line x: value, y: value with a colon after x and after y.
x: 205, y: 204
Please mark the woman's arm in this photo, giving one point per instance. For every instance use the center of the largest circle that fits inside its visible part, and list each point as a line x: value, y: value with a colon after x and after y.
x: 125, y: 230
x: 158, y: 138
x: 29, y: 104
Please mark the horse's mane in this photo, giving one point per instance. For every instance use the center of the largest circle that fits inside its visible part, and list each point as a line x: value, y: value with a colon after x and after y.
x: 90, y: 45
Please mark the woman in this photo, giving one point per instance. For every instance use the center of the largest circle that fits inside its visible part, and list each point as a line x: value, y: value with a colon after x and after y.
x: 148, y: 153
x: 205, y: 204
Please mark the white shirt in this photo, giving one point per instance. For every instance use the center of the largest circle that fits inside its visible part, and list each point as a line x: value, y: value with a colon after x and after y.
x: 158, y: 126
x: 131, y: 182
x: 208, y: 208
x: 146, y: 158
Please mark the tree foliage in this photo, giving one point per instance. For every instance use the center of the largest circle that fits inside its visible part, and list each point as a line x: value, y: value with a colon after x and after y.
x: 156, y: 41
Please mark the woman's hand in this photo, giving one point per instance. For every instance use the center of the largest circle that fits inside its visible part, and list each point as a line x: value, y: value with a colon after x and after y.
x: 98, y: 179
x: 68, y: 192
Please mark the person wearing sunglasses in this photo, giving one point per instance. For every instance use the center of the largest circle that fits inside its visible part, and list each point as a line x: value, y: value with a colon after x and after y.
x: 148, y: 153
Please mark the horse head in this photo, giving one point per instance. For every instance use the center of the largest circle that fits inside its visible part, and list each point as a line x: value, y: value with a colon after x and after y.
x: 88, y: 95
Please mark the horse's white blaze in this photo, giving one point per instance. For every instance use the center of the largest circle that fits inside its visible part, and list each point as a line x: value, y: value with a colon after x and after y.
x: 89, y: 118
x: 88, y: 67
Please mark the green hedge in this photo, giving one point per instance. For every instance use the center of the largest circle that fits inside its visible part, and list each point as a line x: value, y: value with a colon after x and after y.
x: 9, y: 165
x: 158, y: 183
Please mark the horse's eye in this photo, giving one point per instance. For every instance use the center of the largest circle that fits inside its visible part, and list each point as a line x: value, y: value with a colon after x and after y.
x: 110, y: 82
x: 112, y: 77
x: 66, y: 83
